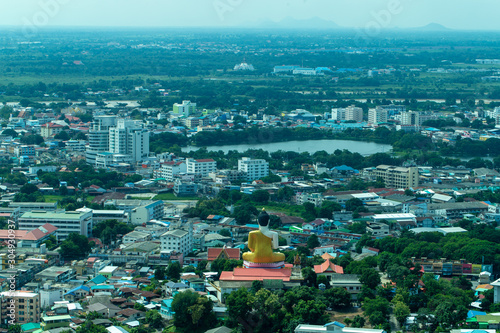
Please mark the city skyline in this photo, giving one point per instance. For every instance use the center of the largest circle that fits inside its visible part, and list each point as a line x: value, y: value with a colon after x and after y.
x: 389, y: 14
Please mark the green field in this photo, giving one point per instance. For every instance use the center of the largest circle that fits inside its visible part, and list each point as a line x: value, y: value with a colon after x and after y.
x: 171, y: 196
x: 57, y: 198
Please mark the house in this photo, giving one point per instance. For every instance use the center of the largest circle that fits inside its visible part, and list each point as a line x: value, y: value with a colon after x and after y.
x: 318, y: 224
x: 171, y: 287
x: 223, y: 253
x: 166, y: 310
x: 289, y: 220
x: 77, y: 293
x: 370, y: 250
x: 349, y: 282
x: 99, y: 279
x: 130, y: 314
x: 328, y: 269
x: 334, y: 327
x: 320, y: 250
x: 425, y: 222
x: 136, y: 236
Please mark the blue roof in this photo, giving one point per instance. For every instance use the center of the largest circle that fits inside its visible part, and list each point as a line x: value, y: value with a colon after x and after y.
x: 343, y: 168
x: 78, y: 288
x: 104, y: 286
x: 30, y: 326
x: 473, y: 313
x: 167, y: 302
x: 99, y: 279
x: 336, y: 323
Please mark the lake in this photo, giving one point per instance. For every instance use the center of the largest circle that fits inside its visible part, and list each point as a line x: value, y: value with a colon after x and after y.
x: 311, y: 146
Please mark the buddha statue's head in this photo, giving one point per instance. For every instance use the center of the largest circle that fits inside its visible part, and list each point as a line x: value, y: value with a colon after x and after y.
x: 263, y: 219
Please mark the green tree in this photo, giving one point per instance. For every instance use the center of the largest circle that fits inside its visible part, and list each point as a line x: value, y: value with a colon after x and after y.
x: 193, y: 313
x: 239, y: 306
x: 313, y: 241
x: 353, y: 204
x: 260, y: 196
x: 160, y: 273
x: 401, y: 312
x: 370, y: 278
x: 10, y: 132
x: 285, y: 194
x: 174, y: 270
x: 154, y: 319
x: 74, y: 247
x: 14, y: 328
x: 337, y: 298
x: 309, y: 276
x: 225, y: 232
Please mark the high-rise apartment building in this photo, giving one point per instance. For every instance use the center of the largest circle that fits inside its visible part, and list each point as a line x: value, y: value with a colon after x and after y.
x: 186, y: 108
x: 377, y: 116
x: 99, y: 137
x: 350, y: 113
x: 410, y: 118
x: 25, y: 305
x: 398, y: 177
x: 201, y: 167
x: 113, y: 140
x: 128, y: 137
x: 253, y: 169
x: 354, y: 113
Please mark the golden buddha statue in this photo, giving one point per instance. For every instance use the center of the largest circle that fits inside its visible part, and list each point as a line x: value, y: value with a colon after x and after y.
x: 261, y: 244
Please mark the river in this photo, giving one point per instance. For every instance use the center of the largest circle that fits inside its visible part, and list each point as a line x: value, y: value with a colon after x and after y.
x: 310, y: 146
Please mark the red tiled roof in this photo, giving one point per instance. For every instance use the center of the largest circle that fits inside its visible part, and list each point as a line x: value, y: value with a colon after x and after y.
x: 128, y: 312
x: 52, y: 125
x: 205, y: 160
x: 285, y: 219
x: 252, y: 274
x: 327, y: 256
x: 329, y: 267
x: 214, y: 252
x: 34, y: 234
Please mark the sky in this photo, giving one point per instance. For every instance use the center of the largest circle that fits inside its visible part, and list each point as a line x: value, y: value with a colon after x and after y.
x: 454, y: 14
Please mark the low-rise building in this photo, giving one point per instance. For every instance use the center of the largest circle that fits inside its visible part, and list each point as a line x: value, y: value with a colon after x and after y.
x: 178, y: 240
x: 30, y: 238
x: 136, y: 236
x: 377, y: 229
x: 55, y: 274
x: 65, y: 222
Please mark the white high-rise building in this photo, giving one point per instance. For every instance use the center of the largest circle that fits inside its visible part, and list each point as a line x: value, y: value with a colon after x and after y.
x: 129, y: 138
x: 99, y: 137
x: 350, y: 113
x: 354, y: 113
x: 410, y: 118
x: 201, y: 167
x: 377, y: 116
x: 253, y: 169
x: 338, y: 114
x: 113, y: 140
x: 185, y: 109
x: 168, y: 170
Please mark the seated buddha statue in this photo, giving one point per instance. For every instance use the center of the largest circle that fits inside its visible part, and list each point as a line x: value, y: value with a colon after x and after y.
x: 261, y: 244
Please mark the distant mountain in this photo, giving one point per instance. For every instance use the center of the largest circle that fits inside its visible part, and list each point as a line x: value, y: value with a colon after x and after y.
x: 291, y: 23
x: 432, y: 27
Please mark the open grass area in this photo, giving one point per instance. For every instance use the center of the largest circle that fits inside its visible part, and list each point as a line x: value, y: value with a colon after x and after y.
x: 58, y: 198
x: 171, y: 196
x: 170, y: 329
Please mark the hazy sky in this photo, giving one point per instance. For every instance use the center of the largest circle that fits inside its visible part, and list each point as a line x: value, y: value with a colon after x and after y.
x: 456, y: 14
